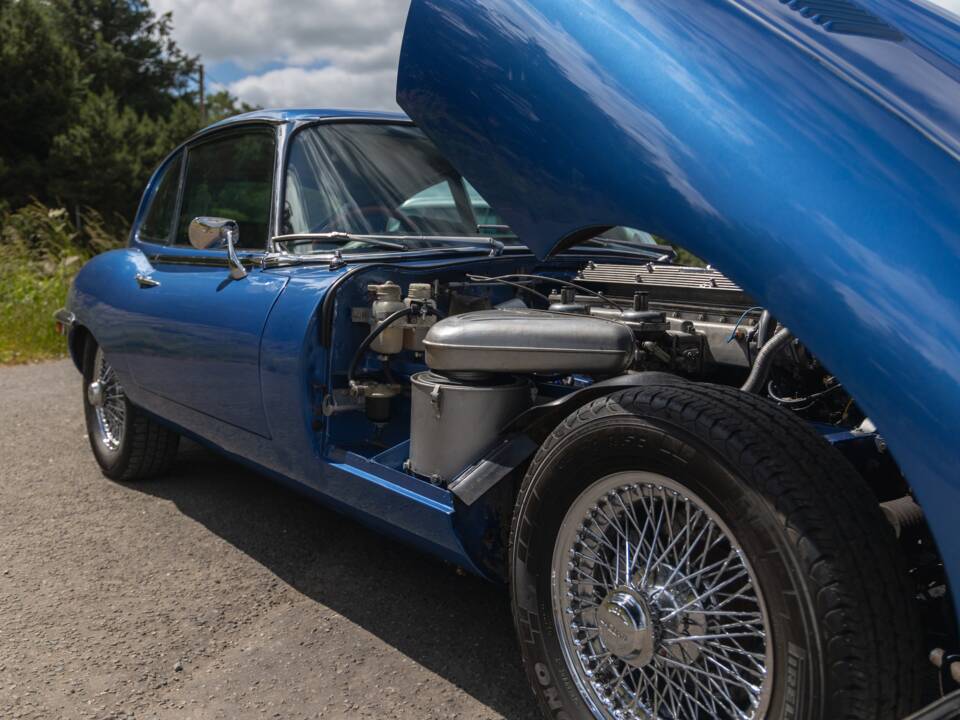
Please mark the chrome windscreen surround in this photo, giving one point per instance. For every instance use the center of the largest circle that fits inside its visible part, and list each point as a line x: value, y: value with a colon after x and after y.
x: 657, y: 609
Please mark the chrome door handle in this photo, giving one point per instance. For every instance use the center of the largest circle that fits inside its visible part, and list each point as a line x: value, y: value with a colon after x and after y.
x: 146, y: 282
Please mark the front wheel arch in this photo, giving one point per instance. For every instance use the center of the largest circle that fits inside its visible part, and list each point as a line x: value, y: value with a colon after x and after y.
x: 127, y: 443
x: 854, y: 621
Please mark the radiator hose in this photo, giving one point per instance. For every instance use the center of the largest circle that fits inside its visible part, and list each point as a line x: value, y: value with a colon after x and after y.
x: 765, y: 328
x: 757, y: 379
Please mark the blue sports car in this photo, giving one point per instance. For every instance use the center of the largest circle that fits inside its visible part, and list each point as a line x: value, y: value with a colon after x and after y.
x: 724, y: 490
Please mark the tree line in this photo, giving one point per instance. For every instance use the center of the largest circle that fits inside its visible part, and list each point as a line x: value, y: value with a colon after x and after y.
x: 94, y: 93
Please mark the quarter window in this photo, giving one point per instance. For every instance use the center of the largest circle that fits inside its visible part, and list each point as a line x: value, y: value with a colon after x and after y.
x: 157, y: 226
x: 231, y: 177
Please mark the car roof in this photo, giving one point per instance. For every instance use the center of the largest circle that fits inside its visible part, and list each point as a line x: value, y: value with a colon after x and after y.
x: 283, y: 115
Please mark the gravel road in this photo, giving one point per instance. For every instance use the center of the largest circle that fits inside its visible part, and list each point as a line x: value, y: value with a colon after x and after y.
x: 215, y: 593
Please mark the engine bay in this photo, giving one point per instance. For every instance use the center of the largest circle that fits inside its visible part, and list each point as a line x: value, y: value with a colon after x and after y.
x: 452, y: 375
x: 548, y: 331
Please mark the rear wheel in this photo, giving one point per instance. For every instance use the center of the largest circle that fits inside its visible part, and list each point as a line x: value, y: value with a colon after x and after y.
x: 127, y: 444
x: 692, y: 552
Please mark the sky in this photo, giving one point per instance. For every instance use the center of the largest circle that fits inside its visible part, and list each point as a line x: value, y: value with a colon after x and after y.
x: 307, y: 53
x: 289, y: 53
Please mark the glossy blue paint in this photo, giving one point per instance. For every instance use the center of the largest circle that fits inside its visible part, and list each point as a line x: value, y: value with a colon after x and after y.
x: 240, y: 365
x: 203, y: 351
x: 131, y: 324
x: 237, y: 364
x: 291, y: 360
x: 818, y: 169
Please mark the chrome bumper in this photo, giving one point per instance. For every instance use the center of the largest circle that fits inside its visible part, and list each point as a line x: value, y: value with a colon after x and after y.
x: 64, y: 320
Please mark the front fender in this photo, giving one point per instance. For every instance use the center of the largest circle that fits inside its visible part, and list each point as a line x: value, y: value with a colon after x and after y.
x: 538, y: 421
x: 101, y: 299
x: 293, y: 365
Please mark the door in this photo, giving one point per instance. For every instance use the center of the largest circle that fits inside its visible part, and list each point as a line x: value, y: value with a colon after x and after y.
x: 198, y: 344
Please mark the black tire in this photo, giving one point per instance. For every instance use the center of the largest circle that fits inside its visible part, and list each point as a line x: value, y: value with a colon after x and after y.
x: 141, y: 449
x: 846, y: 638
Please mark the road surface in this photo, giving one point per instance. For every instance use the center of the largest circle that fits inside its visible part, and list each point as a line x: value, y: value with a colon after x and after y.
x: 215, y: 593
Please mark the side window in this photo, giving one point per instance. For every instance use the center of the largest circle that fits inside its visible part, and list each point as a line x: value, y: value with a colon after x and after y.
x: 231, y: 177
x: 157, y: 225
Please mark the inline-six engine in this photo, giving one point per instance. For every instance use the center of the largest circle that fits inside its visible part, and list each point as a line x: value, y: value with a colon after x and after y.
x: 486, y: 363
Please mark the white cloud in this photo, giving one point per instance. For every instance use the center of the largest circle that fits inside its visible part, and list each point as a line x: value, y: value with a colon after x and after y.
x: 331, y: 86
x: 356, y: 43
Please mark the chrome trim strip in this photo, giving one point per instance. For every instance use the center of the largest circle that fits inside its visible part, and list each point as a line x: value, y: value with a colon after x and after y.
x: 276, y: 260
x: 279, y: 259
x: 281, y: 140
x: 237, y: 124
x: 204, y: 260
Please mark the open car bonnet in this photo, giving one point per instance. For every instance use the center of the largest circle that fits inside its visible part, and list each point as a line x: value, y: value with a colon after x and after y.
x: 808, y: 149
x: 731, y: 125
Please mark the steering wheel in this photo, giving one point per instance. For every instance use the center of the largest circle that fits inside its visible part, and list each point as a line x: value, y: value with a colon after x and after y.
x: 343, y: 214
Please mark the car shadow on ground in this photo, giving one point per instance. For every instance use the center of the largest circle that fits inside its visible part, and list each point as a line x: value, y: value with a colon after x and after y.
x: 456, y: 626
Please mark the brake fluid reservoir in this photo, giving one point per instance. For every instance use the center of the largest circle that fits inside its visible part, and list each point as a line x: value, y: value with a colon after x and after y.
x: 387, y: 302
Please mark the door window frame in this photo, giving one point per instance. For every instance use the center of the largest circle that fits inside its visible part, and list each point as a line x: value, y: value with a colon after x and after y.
x: 171, y: 252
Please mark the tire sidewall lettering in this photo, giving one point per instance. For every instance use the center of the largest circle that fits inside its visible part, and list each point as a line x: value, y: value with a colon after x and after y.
x: 549, y: 692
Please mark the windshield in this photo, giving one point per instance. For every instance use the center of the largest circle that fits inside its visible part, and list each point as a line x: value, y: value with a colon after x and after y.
x: 377, y: 179
x: 383, y: 180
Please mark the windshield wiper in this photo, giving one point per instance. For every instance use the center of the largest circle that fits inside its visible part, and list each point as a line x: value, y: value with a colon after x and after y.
x: 393, y: 242
x: 661, y: 254
x: 496, y: 246
x: 294, y: 239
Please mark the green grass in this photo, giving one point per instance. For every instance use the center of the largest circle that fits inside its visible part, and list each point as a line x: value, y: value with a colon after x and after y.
x: 26, y: 316
x: 40, y: 253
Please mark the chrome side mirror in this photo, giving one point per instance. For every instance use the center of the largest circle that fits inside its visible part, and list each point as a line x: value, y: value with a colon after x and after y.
x: 213, y: 233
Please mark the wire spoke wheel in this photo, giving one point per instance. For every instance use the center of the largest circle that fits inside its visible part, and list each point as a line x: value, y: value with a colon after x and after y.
x: 126, y: 442
x: 105, y: 395
x: 658, y: 610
